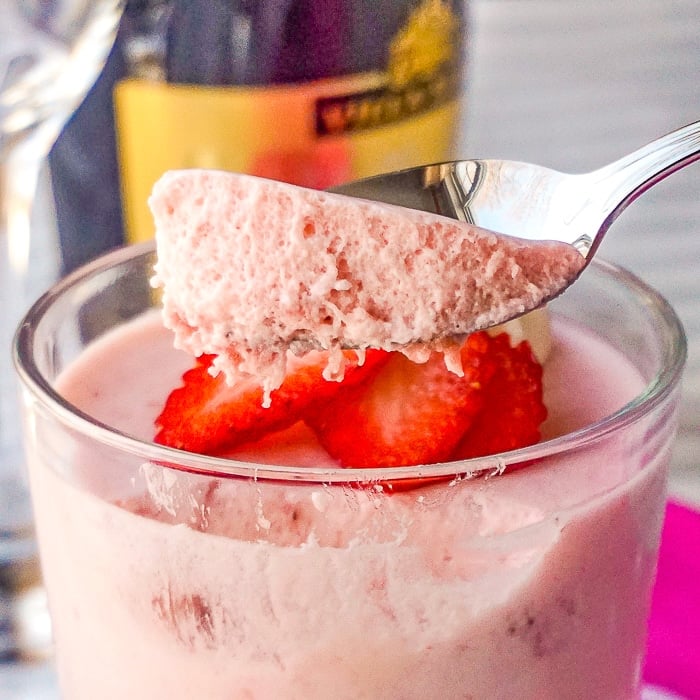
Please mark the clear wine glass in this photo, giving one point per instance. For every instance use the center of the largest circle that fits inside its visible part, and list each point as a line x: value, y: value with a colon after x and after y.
x: 51, y: 52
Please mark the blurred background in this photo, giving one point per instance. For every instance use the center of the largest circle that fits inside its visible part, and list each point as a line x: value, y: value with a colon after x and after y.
x: 571, y: 85
x: 575, y: 85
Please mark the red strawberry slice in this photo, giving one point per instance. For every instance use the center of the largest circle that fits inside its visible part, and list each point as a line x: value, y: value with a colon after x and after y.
x: 408, y: 413
x: 208, y: 416
x: 513, y: 409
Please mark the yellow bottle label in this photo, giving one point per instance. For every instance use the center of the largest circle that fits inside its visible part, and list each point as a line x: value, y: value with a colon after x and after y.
x: 315, y: 134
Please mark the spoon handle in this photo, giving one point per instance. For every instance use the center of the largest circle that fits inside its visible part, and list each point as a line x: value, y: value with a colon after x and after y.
x: 624, y: 180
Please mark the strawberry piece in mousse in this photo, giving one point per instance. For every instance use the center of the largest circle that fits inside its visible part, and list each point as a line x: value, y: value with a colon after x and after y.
x: 513, y: 410
x: 209, y: 416
x: 408, y: 413
x: 387, y: 412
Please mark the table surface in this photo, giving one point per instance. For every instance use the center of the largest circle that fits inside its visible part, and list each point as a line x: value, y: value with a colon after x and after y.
x: 574, y: 85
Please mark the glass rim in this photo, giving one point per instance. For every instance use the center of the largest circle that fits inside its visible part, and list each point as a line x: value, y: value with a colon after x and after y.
x: 656, y: 390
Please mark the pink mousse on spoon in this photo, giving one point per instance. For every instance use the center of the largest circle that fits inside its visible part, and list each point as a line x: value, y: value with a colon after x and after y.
x: 334, y: 272
x: 331, y: 272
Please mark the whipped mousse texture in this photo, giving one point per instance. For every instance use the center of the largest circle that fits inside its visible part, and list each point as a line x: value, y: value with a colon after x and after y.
x: 251, y: 268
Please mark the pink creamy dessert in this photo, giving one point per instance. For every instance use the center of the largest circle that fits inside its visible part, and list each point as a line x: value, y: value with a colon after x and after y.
x: 250, y: 267
x: 272, y: 572
x: 528, y: 585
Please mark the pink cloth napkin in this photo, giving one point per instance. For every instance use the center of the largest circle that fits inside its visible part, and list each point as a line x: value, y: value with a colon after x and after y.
x: 673, y: 652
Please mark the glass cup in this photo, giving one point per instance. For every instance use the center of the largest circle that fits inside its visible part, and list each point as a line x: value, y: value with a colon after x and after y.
x: 169, y: 574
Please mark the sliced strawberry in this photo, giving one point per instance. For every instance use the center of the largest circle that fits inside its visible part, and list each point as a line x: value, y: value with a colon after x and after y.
x: 408, y: 413
x: 208, y: 416
x: 513, y: 409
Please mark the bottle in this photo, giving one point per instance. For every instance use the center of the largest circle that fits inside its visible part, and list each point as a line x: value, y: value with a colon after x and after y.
x: 312, y: 92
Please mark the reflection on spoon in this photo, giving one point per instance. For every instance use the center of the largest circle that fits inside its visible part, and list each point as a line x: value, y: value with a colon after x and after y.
x: 532, y: 202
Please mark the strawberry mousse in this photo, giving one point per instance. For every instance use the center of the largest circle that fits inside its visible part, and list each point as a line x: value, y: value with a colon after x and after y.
x: 465, y: 518
x: 165, y: 582
x: 252, y: 267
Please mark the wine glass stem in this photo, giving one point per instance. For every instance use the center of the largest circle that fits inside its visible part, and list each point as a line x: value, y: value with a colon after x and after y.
x: 28, y: 264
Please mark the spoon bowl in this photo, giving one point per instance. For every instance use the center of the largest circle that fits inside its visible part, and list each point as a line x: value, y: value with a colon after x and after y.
x: 532, y: 202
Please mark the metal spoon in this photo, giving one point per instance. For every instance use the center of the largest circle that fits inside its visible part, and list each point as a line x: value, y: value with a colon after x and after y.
x: 532, y: 202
